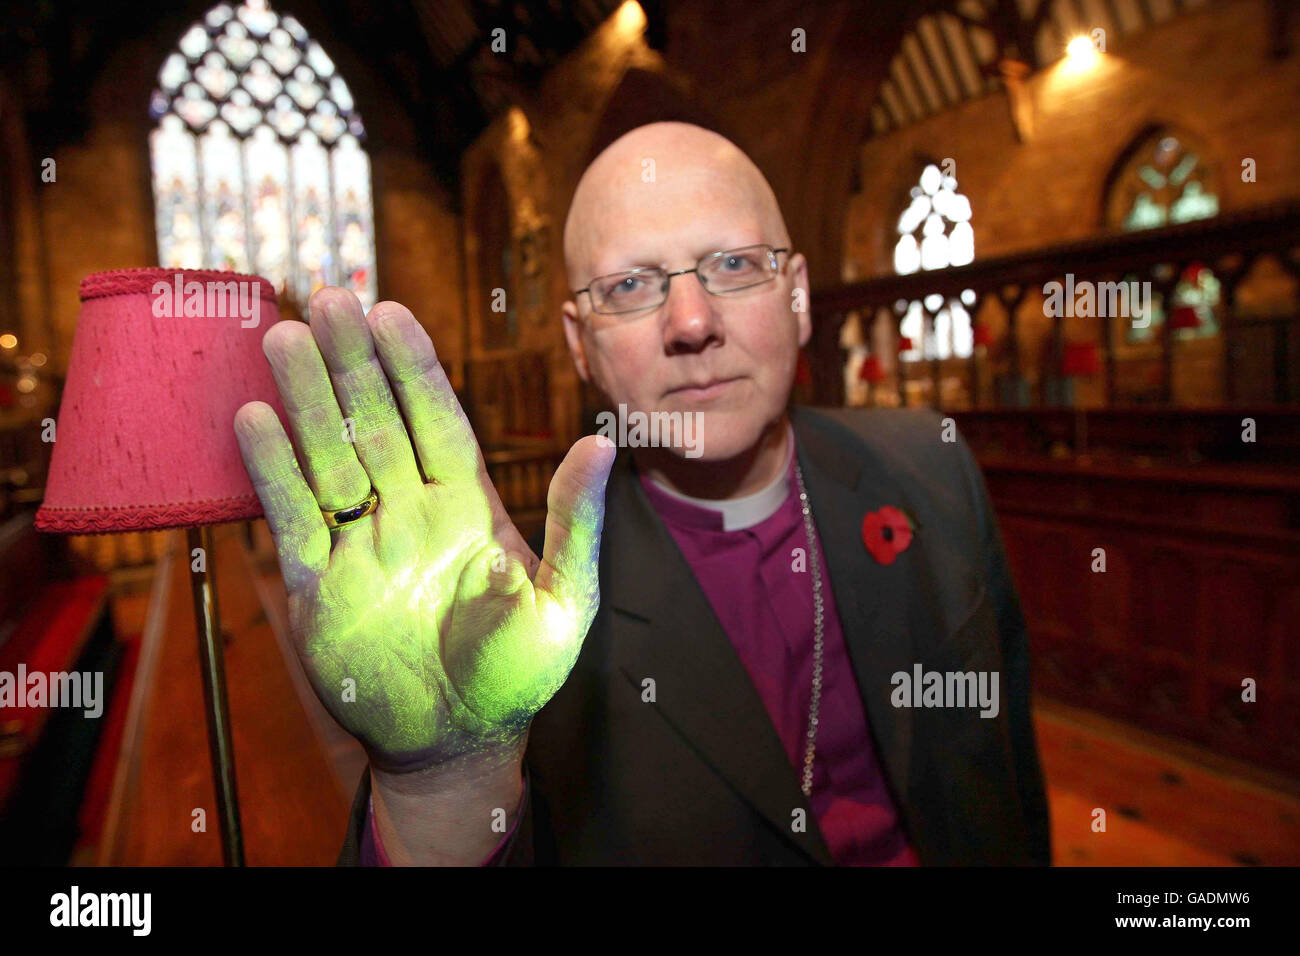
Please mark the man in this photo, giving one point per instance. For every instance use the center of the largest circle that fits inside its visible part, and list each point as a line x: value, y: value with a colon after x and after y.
x: 713, y: 660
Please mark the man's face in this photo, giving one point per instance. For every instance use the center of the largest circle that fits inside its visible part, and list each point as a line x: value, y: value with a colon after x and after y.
x: 741, y: 346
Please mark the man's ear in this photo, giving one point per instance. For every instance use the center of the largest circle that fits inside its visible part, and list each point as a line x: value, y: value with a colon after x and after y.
x: 798, y: 267
x: 573, y: 335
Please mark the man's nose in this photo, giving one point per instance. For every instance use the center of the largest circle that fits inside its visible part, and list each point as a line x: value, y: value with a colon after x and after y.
x: 692, y: 321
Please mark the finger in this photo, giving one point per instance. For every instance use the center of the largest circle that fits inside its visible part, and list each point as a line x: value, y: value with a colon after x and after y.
x: 302, y: 541
x: 444, y: 439
x: 568, y: 580
x: 345, y: 344
x: 329, y: 458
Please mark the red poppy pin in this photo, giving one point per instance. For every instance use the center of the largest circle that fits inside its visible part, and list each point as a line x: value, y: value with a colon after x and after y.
x: 887, y: 533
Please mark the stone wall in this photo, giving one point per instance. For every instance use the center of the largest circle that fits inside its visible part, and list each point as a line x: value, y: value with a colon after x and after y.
x: 1207, y: 72
x: 98, y: 214
x: 801, y: 114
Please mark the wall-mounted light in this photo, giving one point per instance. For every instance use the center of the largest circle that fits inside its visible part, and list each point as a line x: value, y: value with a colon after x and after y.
x: 630, y: 18
x: 1082, y: 50
x: 518, y: 125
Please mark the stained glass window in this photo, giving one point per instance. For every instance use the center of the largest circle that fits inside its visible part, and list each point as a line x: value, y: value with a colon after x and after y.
x: 934, y: 232
x: 257, y: 157
x: 1163, y: 182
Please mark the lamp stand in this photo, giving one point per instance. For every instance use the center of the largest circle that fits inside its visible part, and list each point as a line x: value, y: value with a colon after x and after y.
x: 212, y: 664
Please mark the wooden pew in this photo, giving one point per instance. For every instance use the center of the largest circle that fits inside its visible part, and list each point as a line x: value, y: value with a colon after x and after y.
x: 293, y: 806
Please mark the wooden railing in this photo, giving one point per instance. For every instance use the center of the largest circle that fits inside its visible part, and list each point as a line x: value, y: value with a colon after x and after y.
x: 1156, y: 591
x: 1258, y: 438
x: 1230, y: 245
x: 522, y: 477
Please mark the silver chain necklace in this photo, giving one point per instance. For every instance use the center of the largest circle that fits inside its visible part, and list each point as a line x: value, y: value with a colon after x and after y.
x: 814, y: 705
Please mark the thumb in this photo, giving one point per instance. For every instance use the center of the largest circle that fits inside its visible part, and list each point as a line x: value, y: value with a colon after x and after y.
x: 575, y: 515
x: 516, y: 664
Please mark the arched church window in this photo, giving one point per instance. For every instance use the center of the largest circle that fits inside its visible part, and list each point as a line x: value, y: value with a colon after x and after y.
x: 1163, y: 180
x: 257, y: 158
x: 934, y: 232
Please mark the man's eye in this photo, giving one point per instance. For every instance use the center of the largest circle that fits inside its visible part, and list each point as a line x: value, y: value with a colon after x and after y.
x: 738, y: 264
x: 624, y: 287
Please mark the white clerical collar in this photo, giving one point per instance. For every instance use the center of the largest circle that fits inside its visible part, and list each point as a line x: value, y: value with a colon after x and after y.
x: 745, y: 512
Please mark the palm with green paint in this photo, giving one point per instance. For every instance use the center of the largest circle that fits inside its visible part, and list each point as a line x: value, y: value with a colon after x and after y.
x: 428, y: 629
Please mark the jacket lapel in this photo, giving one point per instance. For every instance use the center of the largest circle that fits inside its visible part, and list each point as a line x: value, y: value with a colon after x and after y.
x: 885, y: 610
x: 663, y: 627
x: 872, y: 599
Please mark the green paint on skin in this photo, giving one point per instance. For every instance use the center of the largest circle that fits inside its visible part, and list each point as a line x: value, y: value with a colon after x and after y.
x: 443, y: 649
x: 448, y: 656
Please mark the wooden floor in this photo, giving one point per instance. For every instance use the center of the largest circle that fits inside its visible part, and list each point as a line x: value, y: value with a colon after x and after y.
x: 1165, y: 804
x: 293, y: 810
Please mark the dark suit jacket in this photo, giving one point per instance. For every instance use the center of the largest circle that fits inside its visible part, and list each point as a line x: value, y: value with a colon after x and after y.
x: 700, y: 776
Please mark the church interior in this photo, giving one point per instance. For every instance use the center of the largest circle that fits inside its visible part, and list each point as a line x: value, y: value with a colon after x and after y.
x: 1070, y: 226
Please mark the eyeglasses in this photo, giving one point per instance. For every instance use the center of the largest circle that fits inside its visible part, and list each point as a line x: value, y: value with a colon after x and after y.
x: 721, y: 273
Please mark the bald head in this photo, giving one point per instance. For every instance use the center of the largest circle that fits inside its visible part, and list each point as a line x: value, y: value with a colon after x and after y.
x: 647, y: 193
x: 667, y: 195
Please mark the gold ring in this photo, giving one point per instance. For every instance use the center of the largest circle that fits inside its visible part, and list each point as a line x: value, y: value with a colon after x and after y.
x: 336, y: 519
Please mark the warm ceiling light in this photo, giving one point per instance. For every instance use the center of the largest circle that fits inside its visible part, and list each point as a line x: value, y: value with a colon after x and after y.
x: 630, y: 18
x: 518, y: 124
x: 8, y: 340
x: 1081, y: 48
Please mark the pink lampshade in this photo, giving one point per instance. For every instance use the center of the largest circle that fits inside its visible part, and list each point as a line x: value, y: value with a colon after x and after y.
x: 145, y: 436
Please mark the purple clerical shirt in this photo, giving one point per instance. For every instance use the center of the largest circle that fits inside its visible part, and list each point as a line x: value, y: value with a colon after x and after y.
x: 766, y: 609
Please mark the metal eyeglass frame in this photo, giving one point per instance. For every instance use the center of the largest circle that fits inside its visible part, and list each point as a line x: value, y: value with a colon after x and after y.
x: 668, y: 277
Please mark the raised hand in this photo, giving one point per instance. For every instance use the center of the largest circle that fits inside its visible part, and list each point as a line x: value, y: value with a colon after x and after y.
x: 428, y: 629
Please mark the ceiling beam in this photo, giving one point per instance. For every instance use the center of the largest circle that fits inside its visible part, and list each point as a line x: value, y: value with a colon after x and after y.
x: 934, y: 58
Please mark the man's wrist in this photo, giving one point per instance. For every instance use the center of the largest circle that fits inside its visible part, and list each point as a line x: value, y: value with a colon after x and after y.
x: 453, y: 814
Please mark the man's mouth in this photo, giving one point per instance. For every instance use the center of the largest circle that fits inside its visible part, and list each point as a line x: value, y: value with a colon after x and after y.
x: 706, y: 389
